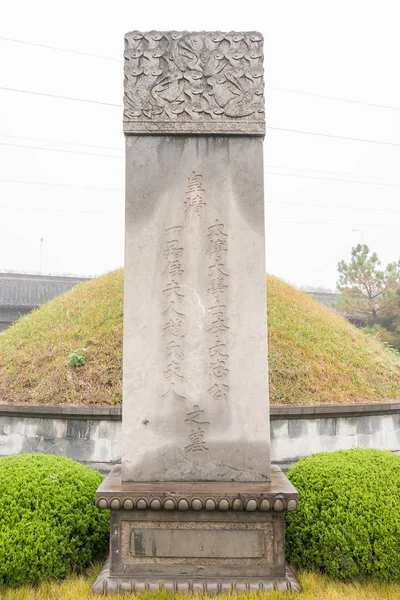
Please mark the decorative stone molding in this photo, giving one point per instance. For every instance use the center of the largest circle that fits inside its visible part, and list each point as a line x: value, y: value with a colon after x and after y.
x: 277, y: 495
x: 222, y: 503
x: 194, y: 83
x: 105, y: 584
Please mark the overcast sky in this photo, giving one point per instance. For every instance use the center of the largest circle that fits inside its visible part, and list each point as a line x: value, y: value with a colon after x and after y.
x: 347, y: 49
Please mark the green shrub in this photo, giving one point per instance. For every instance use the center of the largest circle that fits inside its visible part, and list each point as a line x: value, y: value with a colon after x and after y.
x: 49, y: 524
x: 348, y: 521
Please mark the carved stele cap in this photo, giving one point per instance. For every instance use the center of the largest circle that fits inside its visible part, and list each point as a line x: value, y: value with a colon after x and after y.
x: 204, y: 83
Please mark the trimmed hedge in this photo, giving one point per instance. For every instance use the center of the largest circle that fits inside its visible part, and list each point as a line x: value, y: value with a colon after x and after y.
x: 348, y: 521
x: 49, y: 524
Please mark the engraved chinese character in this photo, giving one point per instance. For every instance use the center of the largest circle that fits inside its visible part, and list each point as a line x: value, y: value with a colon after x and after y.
x: 173, y: 250
x: 217, y: 287
x: 195, y: 182
x: 197, y: 443
x: 218, y: 348
x: 217, y: 246
x: 219, y: 368
x: 216, y: 268
x: 194, y: 197
x: 218, y: 323
x: 173, y: 350
x: 219, y: 391
x: 176, y: 229
x: 173, y: 370
x: 196, y: 202
x: 196, y: 415
x: 174, y: 268
x: 173, y: 327
x: 171, y: 392
x: 171, y: 309
x: 217, y: 231
x: 172, y: 290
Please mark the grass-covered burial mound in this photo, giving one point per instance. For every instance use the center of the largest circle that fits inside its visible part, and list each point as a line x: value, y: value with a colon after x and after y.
x: 348, y: 521
x: 69, y: 351
x: 49, y: 524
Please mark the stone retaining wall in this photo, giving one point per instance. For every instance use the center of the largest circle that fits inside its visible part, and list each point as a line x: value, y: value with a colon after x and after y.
x: 298, y: 431
x: 93, y: 435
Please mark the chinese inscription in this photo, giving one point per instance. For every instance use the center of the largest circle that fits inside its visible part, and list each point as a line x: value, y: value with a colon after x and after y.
x: 194, y: 197
x: 173, y: 316
x: 196, y: 432
x: 218, y: 280
x: 174, y: 324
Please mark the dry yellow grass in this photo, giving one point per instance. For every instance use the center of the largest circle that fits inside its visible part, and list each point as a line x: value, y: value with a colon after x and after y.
x: 315, y: 587
x: 34, y: 365
x: 317, y: 356
x: 314, y: 355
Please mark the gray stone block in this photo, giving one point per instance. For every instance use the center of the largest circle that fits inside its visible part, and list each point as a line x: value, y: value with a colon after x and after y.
x: 195, y: 505
x: 196, y: 83
x: 78, y: 429
x: 297, y: 428
x: 326, y: 426
x: 195, y: 377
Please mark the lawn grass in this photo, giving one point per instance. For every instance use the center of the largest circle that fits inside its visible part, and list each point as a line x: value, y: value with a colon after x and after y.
x: 315, y: 587
x: 314, y: 355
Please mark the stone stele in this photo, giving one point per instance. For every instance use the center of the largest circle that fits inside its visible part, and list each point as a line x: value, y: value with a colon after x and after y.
x: 195, y: 504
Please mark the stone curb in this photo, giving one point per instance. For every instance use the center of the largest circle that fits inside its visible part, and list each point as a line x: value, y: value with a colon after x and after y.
x: 108, y: 413
x: 114, y: 413
x: 335, y: 411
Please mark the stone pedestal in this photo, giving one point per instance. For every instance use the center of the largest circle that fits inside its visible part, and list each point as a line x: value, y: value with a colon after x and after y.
x: 200, y: 537
x: 195, y: 504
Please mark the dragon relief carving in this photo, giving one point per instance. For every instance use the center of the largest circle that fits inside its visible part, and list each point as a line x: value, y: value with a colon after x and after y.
x: 186, y: 78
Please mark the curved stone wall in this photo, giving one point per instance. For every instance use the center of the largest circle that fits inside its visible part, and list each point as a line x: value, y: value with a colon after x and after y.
x: 92, y: 435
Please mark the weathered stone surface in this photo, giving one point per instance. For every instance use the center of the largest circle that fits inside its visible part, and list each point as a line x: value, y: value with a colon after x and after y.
x: 208, y: 543
x: 107, y: 584
x: 195, y: 506
x: 199, y: 549
x: 181, y: 82
x: 273, y: 495
x: 195, y: 356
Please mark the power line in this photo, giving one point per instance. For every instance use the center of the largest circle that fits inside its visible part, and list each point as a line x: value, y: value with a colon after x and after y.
x: 23, y: 137
x: 322, y: 96
x: 55, y: 210
x: 274, y: 128
x: 23, y: 209
x: 328, y: 135
x: 7, y: 89
x: 20, y: 137
x: 60, y: 150
x: 270, y: 87
x: 334, y: 179
x: 66, y: 185
x: 332, y: 223
x: 7, y: 39
x: 99, y: 189
x: 333, y: 172
x: 390, y: 210
x: 331, y: 135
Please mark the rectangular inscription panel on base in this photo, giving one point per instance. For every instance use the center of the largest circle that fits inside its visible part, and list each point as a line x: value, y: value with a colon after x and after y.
x: 210, y: 543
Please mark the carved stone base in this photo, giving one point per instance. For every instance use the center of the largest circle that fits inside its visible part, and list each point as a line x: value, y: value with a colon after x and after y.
x: 107, y: 584
x: 202, y: 537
